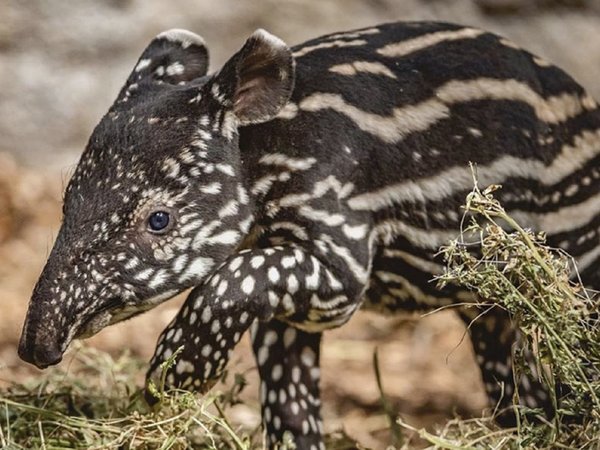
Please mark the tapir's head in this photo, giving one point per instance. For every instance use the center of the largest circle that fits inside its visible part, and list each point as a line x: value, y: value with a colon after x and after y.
x: 157, y: 200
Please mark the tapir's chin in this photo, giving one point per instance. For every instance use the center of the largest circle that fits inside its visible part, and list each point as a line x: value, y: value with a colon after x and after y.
x: 94, y: 325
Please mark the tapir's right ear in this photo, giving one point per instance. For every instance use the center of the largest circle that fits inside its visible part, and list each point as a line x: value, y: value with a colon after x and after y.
x: 258, y: 80
x: 174, y: 57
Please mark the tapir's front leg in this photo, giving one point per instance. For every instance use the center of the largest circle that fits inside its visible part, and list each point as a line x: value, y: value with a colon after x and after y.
x: 288, y: 363
x: 280, y: 282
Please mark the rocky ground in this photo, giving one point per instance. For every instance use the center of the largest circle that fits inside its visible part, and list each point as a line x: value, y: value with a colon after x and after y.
x: 62, y: 63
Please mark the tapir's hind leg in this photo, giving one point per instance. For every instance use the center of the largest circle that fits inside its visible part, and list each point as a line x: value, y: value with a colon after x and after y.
x: 494, y: 338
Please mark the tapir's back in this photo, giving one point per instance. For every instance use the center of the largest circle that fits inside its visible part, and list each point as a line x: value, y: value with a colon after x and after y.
x: 400, y: 110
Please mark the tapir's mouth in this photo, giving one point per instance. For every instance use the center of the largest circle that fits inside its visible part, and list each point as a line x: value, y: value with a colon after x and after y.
x: 48, y: 350
x: 116, y: 311
x: 96, y: 321
x: 44, y: 347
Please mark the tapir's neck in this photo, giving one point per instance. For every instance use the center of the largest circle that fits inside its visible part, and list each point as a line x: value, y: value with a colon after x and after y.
x: 266, y: 151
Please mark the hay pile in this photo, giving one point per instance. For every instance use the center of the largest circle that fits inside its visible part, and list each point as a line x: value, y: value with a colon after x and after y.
x: 517, y: 271
x: 100, y: 406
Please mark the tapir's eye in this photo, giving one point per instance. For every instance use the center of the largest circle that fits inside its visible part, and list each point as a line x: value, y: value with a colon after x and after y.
x: 158, y: 221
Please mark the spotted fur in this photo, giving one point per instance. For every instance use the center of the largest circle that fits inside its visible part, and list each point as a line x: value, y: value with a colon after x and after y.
x: 306, y: 183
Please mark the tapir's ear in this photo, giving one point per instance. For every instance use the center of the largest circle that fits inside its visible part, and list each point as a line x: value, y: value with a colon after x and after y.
x: 258, y: 80
x: 174, y: 56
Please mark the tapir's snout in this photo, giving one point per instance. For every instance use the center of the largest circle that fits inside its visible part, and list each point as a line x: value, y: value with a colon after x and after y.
x: 41, y: 354
x: 39, y: 344
x: 44, y: 332
x: 53, y: 320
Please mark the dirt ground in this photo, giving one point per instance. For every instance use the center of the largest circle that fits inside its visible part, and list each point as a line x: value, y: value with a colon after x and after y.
x: 61, y: 64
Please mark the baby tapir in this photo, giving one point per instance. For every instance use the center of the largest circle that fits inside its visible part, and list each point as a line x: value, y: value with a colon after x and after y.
x: 295, y: 186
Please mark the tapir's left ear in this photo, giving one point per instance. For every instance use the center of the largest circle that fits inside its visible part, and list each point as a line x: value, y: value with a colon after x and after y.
x: 258, y: 80
x: 174, y: 57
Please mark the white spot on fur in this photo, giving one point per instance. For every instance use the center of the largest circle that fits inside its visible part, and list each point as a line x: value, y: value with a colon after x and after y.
x: 248, y: 285
x: 197, y: 269
x: 143, y: 64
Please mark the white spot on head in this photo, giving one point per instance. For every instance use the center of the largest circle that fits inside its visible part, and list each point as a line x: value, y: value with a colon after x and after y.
x: 475, y: 132
x: 226, y: 169
x: 212, y: 188
x: 198, y: 268
x: 175, y: 69
x: 144, y: 274
x: 227, y: 237
x: 143, y: 64
x: 158, y: 279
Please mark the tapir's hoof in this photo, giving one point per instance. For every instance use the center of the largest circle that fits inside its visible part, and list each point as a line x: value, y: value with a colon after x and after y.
x: 151, y: 398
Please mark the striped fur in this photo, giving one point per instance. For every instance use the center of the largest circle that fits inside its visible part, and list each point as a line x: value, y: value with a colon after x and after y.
x: 296, y: 207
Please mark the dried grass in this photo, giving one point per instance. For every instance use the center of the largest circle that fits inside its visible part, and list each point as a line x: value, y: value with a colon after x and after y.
x: 100, y: 405
x: 515, y: 269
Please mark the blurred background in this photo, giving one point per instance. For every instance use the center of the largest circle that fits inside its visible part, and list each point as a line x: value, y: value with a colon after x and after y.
x: 63, y: 62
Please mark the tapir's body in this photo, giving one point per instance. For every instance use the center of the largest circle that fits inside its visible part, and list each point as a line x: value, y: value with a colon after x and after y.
x: 389, y: 118
x: 293, y: 197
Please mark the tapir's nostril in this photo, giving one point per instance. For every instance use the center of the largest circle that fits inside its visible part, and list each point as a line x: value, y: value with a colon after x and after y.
x: 41, y: 355
x: 45, y: 355
x: 25, y: 352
